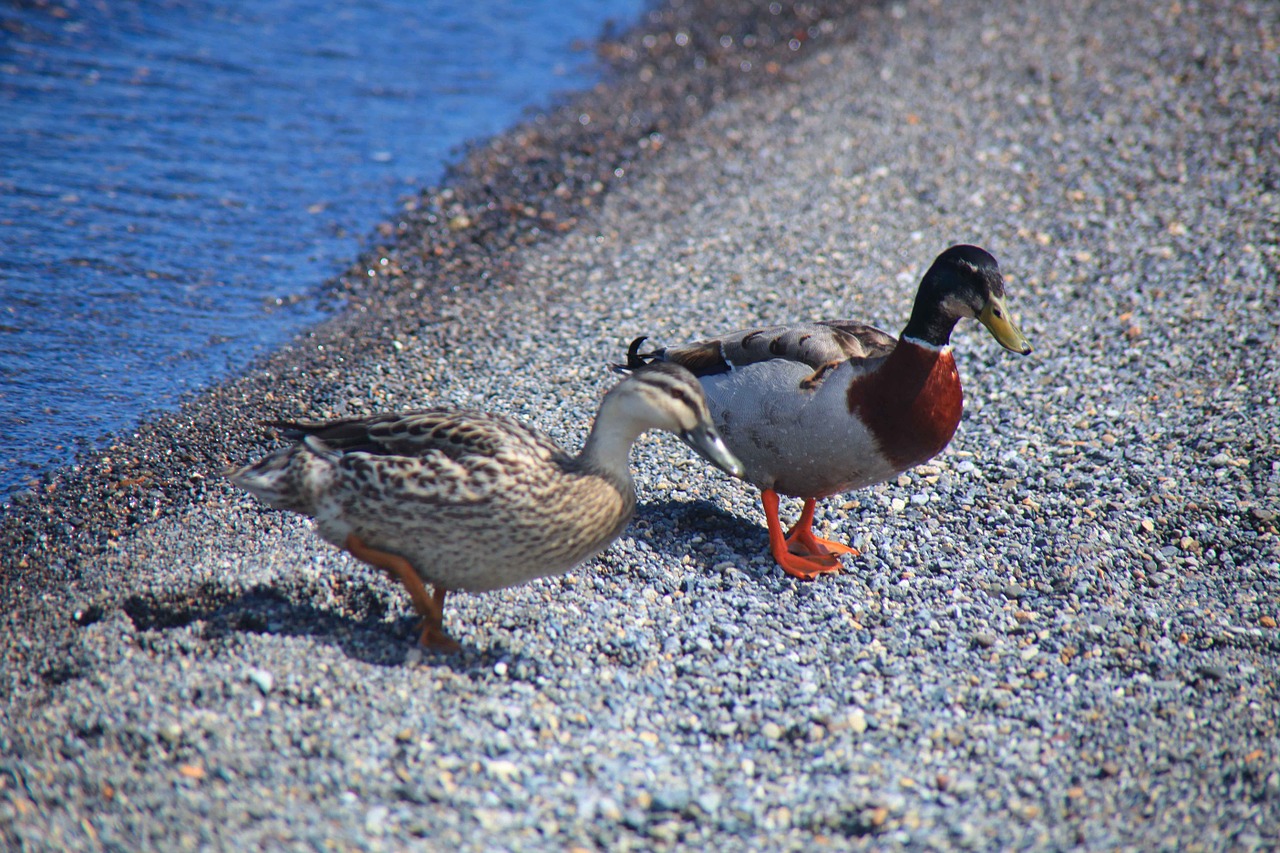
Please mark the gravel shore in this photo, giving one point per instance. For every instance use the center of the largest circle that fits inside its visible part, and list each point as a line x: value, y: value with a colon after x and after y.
x: 1060, y: 633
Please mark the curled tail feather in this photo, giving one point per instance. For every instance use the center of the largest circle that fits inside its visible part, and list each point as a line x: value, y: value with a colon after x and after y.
x: 637, y: 359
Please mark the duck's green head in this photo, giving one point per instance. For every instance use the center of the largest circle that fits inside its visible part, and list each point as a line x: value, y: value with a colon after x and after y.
x: 964, y: 281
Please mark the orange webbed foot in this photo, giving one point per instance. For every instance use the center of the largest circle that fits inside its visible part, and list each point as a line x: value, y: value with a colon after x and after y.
x: 799, y: 552
x: 801, y: 540
x: 815, y: 545
x: 433, y: 636
x: 435, y: 639
x: 806, y: 544
x: 806, y: 568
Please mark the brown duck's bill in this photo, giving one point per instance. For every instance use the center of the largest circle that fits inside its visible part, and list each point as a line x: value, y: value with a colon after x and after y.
x: 710, y: 446
x: 1001, y: 326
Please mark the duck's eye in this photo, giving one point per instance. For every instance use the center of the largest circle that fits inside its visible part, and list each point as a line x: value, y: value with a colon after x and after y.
x: 999, y: 315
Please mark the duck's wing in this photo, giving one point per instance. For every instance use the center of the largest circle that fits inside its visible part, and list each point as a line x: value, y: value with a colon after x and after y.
x: 455, y: 434
x: 862, y: 340
x: 390, y: 463
x: 815, y: 344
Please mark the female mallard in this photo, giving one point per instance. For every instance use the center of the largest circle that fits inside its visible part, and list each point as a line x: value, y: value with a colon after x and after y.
x: 816, y: 409
x: 471, y: 501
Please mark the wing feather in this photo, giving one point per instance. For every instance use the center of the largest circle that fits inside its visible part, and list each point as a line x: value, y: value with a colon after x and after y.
x: 813, y: 344
x: 430, y: 456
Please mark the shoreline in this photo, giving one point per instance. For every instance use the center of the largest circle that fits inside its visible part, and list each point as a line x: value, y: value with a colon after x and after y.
x: 1060, y: 633
x: 502, y: 213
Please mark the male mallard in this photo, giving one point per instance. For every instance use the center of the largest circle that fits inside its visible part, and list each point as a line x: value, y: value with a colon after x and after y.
x: 471, y: 501
x: 816, y: 409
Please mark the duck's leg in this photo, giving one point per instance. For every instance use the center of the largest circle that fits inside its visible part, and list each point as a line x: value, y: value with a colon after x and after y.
x: 431, y: 609
x: 797, y: 565
x: 801, y: 536
x: 434, y: 640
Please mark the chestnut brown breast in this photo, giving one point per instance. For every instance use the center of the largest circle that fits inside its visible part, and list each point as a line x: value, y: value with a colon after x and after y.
x: 912, y: 403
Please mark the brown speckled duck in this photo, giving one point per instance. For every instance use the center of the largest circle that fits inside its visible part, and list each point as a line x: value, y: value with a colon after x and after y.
x: 817, y: 409
x: 476, y: 502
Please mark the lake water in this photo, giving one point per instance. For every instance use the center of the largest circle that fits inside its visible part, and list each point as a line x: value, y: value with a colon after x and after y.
x: 178, y: 178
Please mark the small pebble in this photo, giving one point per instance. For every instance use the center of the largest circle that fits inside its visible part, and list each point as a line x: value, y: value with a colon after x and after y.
x: 262, y: 679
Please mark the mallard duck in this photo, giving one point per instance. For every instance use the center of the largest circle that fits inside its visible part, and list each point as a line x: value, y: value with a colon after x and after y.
x: 476, y: 502
x: 815, y: 409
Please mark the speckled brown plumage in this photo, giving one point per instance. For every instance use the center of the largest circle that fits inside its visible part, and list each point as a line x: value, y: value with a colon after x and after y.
x: 475, y: 501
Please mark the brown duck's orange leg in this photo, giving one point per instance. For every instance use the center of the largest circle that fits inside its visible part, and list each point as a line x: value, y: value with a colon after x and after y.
x: 439, y: 639
x: 797, y: 565
x: 800, y: 538
x: 430, y: 608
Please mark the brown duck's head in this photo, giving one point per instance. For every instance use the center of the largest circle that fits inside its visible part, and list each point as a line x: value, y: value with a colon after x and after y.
x: 661, y: 395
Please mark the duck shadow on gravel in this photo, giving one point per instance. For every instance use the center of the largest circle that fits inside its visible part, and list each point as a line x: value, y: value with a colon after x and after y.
x: 680, y: 518
x: 667, y: 526
x: 223, y: 614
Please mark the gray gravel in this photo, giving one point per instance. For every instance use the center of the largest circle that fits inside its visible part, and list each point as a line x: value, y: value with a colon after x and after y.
x: 1061, y: 632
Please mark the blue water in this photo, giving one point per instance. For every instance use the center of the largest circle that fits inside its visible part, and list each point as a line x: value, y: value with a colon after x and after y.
x: 178, y: 177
